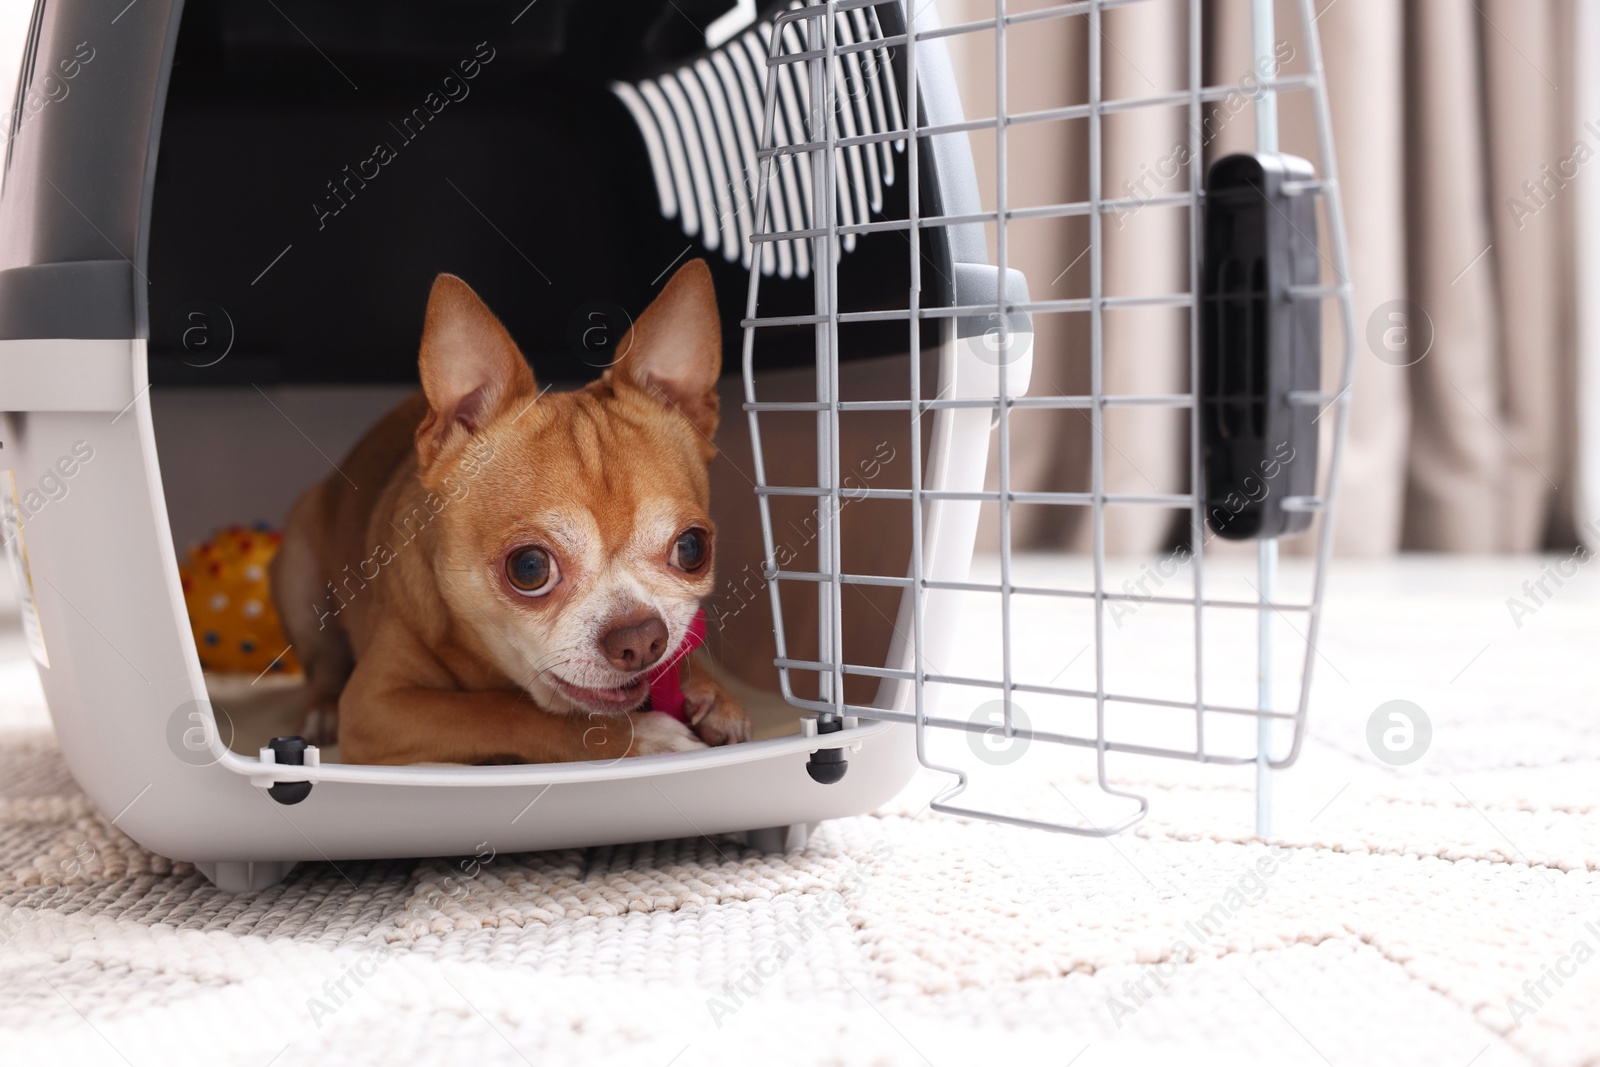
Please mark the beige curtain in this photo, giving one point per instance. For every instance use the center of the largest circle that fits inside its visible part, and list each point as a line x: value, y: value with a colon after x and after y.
x: 1457, y: 145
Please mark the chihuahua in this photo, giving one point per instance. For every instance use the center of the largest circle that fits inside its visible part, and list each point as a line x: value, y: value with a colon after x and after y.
x: 495, y: 571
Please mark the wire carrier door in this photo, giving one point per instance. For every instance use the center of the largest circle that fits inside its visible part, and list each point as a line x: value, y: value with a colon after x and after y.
x: 855, y: 98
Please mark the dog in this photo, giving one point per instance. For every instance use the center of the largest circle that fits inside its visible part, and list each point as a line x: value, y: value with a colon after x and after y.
x: 495, y: 569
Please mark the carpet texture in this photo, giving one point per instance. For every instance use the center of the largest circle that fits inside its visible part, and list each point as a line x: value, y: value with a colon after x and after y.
x: 1391, y: 919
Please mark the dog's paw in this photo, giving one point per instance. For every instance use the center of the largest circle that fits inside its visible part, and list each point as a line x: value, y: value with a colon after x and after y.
x: 655, y: 733
x: 715, y: 717
x: 320, y: 725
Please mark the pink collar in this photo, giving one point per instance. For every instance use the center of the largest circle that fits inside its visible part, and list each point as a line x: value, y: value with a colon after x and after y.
x: 666, y: 681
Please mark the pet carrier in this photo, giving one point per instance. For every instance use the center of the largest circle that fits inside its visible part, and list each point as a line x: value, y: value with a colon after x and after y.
x: 218, y: 228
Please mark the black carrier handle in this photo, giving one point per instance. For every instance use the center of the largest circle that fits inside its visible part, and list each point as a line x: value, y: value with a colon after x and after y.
x: 1261, y: 346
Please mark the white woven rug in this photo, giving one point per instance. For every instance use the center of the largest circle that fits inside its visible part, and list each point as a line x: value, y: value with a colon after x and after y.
x: 1404, y: 910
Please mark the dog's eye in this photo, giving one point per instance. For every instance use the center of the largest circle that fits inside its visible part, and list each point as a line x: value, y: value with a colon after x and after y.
x: 691, y: 550
x: 532, y: 571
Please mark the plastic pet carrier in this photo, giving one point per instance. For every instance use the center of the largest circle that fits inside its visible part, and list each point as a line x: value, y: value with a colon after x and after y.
x: 218, y: 226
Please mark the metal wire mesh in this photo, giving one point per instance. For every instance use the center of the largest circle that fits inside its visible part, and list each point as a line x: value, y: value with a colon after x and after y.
x: 810, y: 55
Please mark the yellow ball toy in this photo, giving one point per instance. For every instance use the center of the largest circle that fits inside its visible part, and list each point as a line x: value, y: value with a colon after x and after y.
x: 225, y: 586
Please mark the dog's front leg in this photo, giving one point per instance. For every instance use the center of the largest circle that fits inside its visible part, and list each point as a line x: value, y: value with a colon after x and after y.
x: 409, y: 724
x: 714, y: 715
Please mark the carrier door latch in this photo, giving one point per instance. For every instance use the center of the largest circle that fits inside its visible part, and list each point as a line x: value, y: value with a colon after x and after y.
x: 1261, y: 346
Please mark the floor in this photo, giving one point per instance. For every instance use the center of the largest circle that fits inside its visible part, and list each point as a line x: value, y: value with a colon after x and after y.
x: 1442, y: 911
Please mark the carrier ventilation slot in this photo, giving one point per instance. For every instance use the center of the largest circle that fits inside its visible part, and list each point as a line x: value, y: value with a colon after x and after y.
x: 701, y: 125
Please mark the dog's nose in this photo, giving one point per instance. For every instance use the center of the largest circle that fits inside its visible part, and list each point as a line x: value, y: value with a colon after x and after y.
x: 634, y: 644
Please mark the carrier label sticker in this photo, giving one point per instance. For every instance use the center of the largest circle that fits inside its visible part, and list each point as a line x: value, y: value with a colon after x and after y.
x: 21, y: 576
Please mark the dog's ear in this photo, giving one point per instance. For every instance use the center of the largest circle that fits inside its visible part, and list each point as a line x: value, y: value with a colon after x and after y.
x: 469, y: 365
x: 675, y: 349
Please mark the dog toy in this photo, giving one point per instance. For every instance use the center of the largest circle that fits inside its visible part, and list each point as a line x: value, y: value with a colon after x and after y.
x: 666, y: 679
x: 235, y: 625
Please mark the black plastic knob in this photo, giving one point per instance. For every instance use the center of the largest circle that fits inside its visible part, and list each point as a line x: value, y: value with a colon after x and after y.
x: 291, y: 752
x: 827, y: 765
